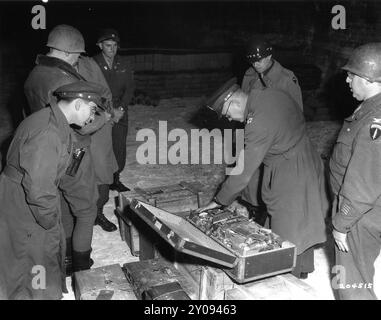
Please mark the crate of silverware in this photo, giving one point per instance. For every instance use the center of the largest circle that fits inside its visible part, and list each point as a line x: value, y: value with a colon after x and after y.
x: 242, y: 248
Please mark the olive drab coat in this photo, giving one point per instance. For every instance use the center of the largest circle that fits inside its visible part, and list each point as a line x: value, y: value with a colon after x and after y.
x: 276, y: 77
x: 293, y: 187
x: 355, y: 175
x: 120, y: 78
x: 355, y: 179
x: 101, y: 141
x: 31, y: 233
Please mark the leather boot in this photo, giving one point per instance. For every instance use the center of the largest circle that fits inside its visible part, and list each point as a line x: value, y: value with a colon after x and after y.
x: 81, y: 260
x: 117, y: 185
x: 104, y: 223
x: 68, y: 258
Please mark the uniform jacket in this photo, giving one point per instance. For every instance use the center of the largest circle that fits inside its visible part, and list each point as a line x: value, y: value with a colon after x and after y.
x: 101, y: 141
x: 120, y: 79
x: 30, y: 229
x: 293, y: 179
x: 276, y: 77
x: 355, y: 174
x: 49, y: 74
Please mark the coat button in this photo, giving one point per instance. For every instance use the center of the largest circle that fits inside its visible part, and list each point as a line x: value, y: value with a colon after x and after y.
x: 348, y: 129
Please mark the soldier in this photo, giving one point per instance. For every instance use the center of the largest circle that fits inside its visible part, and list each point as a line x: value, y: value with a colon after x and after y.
x: 293, y: 181
x: 355, y: 178
x: 265, y: 72
x: 120, y: 78
x: 101, y: 143
x: 79, y: 191
x: 31, y: 233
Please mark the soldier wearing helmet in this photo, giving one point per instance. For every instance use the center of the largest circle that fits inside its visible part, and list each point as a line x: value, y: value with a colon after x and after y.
x: 355, y: 177
x: 78, y: 189
x: 264, y: 71
x: 120, y: 78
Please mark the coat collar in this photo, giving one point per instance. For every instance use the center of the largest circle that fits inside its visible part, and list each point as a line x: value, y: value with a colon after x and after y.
x: 368, y: 106
x: 64, y: 129
x: 53, y: 62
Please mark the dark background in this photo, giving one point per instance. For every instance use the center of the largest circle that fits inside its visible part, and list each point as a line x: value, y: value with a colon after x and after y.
x: 300, y: 32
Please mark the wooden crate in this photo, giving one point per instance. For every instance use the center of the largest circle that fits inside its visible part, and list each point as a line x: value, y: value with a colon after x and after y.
x: 144, y: 275
x: 103, y: 283
x: 281, y: 287
x: 176, y: 198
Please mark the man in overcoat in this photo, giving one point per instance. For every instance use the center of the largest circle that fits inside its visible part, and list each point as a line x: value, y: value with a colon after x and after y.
x: 32, y: 239
x: 293, y: 183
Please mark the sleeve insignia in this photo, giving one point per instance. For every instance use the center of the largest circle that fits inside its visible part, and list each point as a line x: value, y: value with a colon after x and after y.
x: 375, y: 129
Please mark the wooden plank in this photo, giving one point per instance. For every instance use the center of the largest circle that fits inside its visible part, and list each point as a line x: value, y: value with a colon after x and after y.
x: 213, y: 284
x: 281, y: 287
x: 103, y: 283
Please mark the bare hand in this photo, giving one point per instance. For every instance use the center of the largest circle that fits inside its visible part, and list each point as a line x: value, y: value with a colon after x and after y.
x: 118, y: 114
x: 210, y: 205
x: 341, y: 240
x: 107, y: 116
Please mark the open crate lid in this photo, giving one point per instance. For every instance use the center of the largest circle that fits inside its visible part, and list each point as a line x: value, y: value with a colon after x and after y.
x: 182, y: 235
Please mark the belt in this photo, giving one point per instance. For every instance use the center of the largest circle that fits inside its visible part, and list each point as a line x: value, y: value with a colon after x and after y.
x: 13, y: 174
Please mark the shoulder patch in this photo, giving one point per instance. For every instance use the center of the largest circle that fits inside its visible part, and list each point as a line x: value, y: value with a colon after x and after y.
x: 375, y: 129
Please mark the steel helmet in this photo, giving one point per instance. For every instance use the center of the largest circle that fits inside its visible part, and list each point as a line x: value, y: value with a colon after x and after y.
x: 66, y: 38
x: 257, y: 50
x: 365, y: 61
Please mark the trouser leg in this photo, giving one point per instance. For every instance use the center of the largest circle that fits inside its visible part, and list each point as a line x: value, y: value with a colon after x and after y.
x: 67, y: 217
x: 101, y: 220
x: 304, y: 263
x: 119, y: 142
x: 364, y: 243
x: 81, y: 193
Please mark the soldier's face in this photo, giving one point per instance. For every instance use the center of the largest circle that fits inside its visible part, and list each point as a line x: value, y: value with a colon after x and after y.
x: 263, y: 64
x: 357, y: 85
x: 85, y: 112
x: 232, y: 110
x: 109, y: 48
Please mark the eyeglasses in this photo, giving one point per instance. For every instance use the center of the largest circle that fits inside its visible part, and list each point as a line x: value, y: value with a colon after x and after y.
x: 227, y: 109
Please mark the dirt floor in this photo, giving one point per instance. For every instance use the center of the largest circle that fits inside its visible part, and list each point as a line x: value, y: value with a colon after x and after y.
x: 108, y: 248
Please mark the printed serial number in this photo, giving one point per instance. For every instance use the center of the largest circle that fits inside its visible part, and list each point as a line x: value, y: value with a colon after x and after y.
x: 212, y: 309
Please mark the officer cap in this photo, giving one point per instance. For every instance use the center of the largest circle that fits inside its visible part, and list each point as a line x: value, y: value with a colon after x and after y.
x: 108, y: 34
x: 221, y: 95
x: 89, y: 91
x: 258, y: 49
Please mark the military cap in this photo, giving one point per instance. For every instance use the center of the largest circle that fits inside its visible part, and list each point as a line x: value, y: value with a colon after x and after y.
x: 89, y: 91
x: 108, y: 34
x: 221, y: 95
x: 258, y: 49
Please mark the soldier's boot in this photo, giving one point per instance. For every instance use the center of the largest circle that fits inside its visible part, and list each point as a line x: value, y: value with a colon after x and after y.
x: 117, y: 185
x: 81, y: 260
x: 103, y: 222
